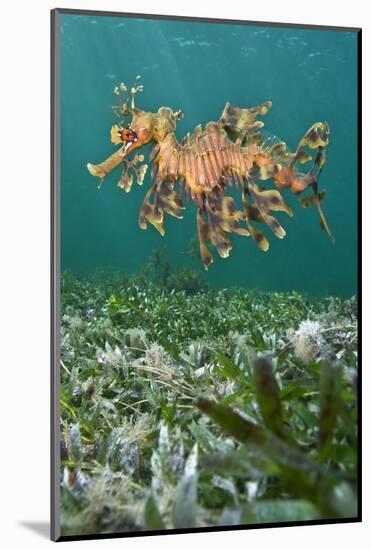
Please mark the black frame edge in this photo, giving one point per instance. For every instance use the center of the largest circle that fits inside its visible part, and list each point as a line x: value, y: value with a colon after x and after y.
x: 52, y: 271
x: 195, y: 19
x: 202, y: 530
x: 54, y: 278
x: 359, y: 266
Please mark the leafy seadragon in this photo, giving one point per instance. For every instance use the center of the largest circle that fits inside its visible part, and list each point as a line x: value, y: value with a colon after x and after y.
x: 230, y: 151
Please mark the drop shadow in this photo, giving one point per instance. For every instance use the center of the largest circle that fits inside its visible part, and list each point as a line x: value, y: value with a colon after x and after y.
x: 42, y: 528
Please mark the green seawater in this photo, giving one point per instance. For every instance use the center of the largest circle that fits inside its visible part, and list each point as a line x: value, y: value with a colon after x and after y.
x: 309, y: 75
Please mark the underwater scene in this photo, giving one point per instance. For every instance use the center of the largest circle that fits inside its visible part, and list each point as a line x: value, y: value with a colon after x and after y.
x: 208, y: 241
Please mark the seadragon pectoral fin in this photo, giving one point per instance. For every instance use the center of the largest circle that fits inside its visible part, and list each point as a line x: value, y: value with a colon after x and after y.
x: 220, y: 240
x: 252, y: 214
x: 222, y: 217
x: 267, y: 201
x: 223, y: 214
x: 151, y: 213
x: 165, y: 200
x: 202, y: 231
x: 214, y: 233
x: 169, y: 200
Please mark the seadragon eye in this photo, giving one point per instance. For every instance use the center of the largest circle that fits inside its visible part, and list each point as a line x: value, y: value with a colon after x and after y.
x: 127, y: 135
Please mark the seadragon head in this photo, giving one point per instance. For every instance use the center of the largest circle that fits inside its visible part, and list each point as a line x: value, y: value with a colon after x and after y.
x: 142, y: 128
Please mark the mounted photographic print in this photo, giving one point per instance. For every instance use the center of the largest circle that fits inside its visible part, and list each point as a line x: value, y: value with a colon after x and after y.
x: 205, y: 278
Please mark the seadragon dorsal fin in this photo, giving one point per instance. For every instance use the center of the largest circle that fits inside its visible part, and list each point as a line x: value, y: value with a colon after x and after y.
x: 238, y: 122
